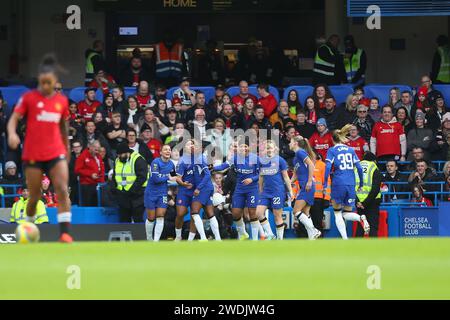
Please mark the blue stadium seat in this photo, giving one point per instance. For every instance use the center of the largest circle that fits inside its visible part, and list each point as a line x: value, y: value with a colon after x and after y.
x: 382, y: 92
x: 12, y: 95
x: 129, y: 91
x: 303, y: 92
x: 445, y: 90
x: 77, y: 94
x: 234, y: 91
x: 209, y: 92
x: 341, y: 93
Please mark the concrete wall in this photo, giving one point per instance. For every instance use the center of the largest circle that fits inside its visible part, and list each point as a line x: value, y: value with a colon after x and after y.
x: 404, y: 67
x: 41, y: 28
x: 46, y: 31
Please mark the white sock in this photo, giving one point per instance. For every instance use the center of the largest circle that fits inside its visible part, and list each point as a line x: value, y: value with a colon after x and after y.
x: 159, y: 229
x: 255, y: 225
x: 267, y: 228
x: 352, y: 216
x: 178, y: 234
x: 149, y: 226
x: 30, y: 219
x: 307, y: 222
x: 340, y: 224
x: 215, y: 228
x: 199, y: 225
x: 240, y: 227
x: 65, y: 217
x: 192, y: 236
x: 262, y: 234
x: 280, y: 232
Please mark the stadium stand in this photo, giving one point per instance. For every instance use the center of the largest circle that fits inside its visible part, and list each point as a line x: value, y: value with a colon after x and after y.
x: 390, y: 201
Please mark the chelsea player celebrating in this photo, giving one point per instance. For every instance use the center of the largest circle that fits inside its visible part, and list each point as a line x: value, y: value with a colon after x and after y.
x: 246, y: 166
x: 343, y: 194
x: 203, y: 193
x: 273, y: 181
x: 156, y: 193
x: 304, y: 173
x: 185, y: 180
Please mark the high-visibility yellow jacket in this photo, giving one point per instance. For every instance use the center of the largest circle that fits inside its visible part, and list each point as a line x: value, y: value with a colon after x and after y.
x: 19, y: 212
x: 369, y: 169
x: 353, y: 64
x: 444, y: 71
x: 125, y: 173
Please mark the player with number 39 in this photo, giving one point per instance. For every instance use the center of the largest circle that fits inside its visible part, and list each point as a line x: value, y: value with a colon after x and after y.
x: 343, y: 195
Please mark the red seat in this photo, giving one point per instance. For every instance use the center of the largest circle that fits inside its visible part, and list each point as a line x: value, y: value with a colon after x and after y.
x: 383, y: 225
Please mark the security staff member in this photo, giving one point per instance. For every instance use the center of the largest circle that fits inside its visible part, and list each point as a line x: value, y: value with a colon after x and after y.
x: 329, y: 64
x: 19, y: 210
x: 355, y: 62
x: 369, y: 198
x: 94, y: 61
x: 440, y: 72
x: 170, y: 60
x: 130, y: 176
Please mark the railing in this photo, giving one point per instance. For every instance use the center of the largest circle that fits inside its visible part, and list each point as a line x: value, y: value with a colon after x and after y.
x: 436, y: 195
x: 13, y: 195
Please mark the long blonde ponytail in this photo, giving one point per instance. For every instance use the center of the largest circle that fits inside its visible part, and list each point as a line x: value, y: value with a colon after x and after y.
x: 340, y: 136
x: 304, y: 144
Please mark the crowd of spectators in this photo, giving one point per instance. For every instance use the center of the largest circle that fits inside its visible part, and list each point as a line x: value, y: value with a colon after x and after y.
x: 412, y: 127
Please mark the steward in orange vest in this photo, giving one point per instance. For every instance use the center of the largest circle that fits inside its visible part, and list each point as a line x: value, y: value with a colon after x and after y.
x: 319, y: 174
x: 169, y: 61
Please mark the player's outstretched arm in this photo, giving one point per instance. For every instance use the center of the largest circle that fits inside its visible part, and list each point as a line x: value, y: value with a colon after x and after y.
x: 287, y: 182
x: 327, y: 174
x: 360, y: 174
x: 261, y: 183
x: 13, y: 137
x: 311, y: 168
x: 64, y: 128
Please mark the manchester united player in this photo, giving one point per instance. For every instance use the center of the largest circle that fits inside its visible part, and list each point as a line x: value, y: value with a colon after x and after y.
x: 46, y: 143
x: 357, y: 143
x: 322, y: 139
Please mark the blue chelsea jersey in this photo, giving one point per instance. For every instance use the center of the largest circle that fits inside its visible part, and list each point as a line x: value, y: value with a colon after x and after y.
x: 271, y: 169
x: 160, y: 175
x: 246, y: 168
x: 300, y: 166
x: 344, y: 160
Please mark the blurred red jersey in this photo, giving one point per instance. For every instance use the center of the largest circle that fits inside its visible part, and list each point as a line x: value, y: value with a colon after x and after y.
x: 87, y: 110
x: 321, y: 144
x: 43, y: 140
x: 359, y: 145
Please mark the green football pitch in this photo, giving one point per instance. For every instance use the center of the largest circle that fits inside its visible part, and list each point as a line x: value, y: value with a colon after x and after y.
x: 329, y: 269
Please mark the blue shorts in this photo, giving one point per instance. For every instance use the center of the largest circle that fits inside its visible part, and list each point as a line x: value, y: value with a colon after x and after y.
x: 343, y: 195
x: 243, y: 200
x: 184, y: 199
x: 308, y: 197
x: 205, y: 198
x: 274, y: 201
x: 153, y: 203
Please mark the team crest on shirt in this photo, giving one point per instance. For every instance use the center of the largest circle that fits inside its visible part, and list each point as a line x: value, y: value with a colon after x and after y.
x: 58, y: 107
x: 40, y: 105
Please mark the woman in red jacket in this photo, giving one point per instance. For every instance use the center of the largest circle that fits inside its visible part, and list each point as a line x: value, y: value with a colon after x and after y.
x: 90, y: 169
